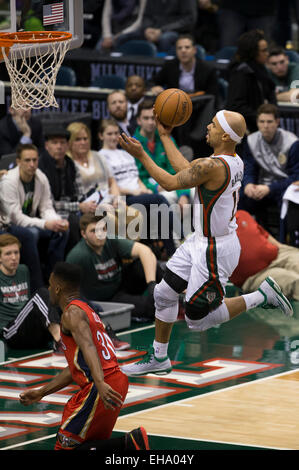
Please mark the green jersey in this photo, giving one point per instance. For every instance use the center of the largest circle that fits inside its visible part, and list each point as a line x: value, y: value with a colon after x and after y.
x: 102, y: 274
x: 14, y: 293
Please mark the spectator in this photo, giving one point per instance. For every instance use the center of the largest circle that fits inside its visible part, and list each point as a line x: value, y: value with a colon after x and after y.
x: 65, y: 182
x: 271, y: 164
x: 135, y: 94
x: 120, y: 19
x: 101, y: 259
x: 206, y: 31
x: 93, y: 11
x: 28, y: 250
x: 148, y: 135
x: 66, y: 186
x: 261, y: 256
x: 19, y: 127
x: 117, y: 105
x: 27, y: 201
x: 93, y: 169
x: 124, y: 168
x: 236, y: 18
x: 249, y: 83
x: 191, y: 74
x: 163, y: 21
x: 99, y: 184
x: 283, y: 73
x: 20, y: 313
x: 187, y: 71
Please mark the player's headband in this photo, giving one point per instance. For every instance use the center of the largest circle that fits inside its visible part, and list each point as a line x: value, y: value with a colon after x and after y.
x: 226, y: 127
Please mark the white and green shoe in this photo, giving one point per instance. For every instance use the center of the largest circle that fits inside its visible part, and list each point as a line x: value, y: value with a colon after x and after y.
x: 274, y: 297
x: 148, y: 365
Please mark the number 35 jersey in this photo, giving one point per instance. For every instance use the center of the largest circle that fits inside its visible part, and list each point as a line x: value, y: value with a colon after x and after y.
x: 79, y: 369
x: 214, y: 211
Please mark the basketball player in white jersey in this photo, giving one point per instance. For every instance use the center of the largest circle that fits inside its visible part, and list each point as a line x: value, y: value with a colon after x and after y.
x: 202, y: 265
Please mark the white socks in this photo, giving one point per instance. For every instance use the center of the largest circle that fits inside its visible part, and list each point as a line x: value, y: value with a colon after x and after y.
x: 253, y: 300
x: 160, y: 349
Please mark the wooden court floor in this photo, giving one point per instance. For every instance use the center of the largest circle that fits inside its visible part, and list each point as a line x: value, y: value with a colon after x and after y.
x: 234, y: 387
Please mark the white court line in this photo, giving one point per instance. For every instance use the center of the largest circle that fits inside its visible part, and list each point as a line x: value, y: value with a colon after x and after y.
x: 203, y: 395
x: 28, y: 442
x: 134, y: 331
x: 17, y: 359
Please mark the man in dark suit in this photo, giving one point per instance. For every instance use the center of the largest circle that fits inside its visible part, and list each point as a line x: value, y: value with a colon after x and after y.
x: 135, y: 92
x: 191, y: 74
x: 19, y: 127
x: 187, y: 71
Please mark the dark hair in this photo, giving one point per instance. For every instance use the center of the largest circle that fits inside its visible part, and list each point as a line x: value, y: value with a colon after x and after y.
x: 247, y: 45
x: 68, y: 272
x: 147, y: 103
x: 21, y: 147
x: 186, y: 36
x: 277, y: 51
x: 268, y: 108
x: 89, y: 218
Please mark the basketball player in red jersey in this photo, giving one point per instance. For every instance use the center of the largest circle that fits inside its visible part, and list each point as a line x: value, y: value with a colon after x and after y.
x: 90, y: 415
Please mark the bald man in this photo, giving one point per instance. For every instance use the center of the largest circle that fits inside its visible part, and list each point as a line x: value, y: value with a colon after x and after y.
x: 202, y: 265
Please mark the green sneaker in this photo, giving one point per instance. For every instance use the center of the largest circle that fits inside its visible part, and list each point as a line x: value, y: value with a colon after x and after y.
x: 274, y: 297
x: 148, y: 365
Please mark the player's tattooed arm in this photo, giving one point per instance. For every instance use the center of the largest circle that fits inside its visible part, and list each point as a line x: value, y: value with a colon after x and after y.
x: 201, y: 171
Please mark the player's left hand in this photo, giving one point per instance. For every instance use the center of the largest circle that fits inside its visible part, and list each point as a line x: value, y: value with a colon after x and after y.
x: 110, y: 397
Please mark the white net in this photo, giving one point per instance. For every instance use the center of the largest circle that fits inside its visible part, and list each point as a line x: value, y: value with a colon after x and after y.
x: 32, y: 70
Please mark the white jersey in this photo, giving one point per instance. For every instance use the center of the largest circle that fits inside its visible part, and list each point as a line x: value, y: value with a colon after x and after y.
x: 214, y: 211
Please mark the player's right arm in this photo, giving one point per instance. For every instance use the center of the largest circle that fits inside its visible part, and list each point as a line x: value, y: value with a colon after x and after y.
x: 202, y: 170
x: 34, y: 395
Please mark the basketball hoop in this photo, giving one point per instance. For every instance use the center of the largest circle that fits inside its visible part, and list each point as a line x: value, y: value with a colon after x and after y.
x: 32, y: 59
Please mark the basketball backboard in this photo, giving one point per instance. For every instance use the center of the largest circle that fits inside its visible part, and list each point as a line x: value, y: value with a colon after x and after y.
x: 43, y: 15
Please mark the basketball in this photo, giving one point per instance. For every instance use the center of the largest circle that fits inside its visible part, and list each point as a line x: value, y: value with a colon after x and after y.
x: 173, y: 107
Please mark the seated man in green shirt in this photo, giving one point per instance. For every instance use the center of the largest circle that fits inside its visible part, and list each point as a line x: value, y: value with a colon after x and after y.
x: 148, y: 136
x: 26, y: 322
x: 105, y: 274
x: 283, y: 73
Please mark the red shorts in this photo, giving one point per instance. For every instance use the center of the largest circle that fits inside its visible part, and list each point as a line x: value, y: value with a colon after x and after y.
x: 85, y: 418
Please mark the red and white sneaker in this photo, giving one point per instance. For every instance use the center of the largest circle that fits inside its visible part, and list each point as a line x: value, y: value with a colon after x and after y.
x: 137, y: 439
x: 117, y: 343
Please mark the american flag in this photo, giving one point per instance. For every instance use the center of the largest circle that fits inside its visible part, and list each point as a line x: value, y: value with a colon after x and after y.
x: 53, y: 14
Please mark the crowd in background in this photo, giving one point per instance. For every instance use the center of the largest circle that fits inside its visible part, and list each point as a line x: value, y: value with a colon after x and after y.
x: 49, y: 202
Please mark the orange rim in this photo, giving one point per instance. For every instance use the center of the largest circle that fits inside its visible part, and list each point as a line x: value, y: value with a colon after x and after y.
x: 32, y: 37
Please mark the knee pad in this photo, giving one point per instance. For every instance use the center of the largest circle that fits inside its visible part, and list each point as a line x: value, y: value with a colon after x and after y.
x: 166, y: 302
x: 214, y: 318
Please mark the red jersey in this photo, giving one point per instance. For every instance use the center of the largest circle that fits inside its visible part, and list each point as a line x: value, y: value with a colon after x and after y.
x: 78, y: 367
x: 256, y: 251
